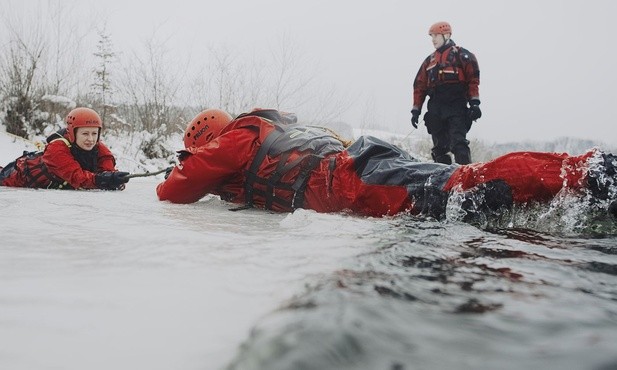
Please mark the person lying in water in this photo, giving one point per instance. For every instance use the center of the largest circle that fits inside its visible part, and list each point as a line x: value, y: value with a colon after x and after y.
x: 74, y: 158
x: 265, y: 159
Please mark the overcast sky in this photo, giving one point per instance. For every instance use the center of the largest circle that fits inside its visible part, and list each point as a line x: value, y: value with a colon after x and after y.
x: 547, y: 67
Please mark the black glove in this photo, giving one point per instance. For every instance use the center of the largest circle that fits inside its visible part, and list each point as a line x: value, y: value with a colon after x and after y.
x: 168, y: 172
x: 415, y: 116
x: 474, y: 111
x: 109, y: 180
x: 182, y: 154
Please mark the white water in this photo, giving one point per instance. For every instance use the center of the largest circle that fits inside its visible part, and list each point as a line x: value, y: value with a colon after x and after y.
x: 100, y: 280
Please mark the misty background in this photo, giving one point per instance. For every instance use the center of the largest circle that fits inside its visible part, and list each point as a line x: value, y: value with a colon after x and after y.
x: 546, y: 80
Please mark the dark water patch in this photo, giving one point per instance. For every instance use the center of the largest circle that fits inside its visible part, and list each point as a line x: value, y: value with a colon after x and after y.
x: 475, y: 306
x: 601, y: 267
x: 496, y: 253
x: 445, y: 295
x: 539, y: 238
x: 385, y: 291
x: 606, y: 249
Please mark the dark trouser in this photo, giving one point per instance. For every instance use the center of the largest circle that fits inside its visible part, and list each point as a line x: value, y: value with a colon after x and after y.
x: 448, y: 125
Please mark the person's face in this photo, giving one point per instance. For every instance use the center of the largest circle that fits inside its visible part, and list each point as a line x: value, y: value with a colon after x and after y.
x: 438, y: 40
x: 86, y: 137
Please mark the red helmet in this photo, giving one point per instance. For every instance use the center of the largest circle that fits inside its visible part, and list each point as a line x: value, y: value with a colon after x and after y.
x: 205, y: 126
x: 440, y: 28
x: 82, y: 117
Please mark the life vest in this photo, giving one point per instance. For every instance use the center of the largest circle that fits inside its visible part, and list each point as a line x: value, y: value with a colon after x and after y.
x: 35, y: 173
x: 445, y: 67
x: 297, y: 147
x: 32, y: 170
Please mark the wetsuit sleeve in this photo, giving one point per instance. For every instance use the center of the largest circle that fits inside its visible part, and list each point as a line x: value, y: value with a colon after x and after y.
x: 208, y: 166
x: 420, y: 85
x: 61, y: 163
x: 472, y: 75
x: 106, y: 160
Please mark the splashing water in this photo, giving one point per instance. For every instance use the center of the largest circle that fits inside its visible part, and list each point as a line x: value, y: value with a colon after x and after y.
x: 570, y: 213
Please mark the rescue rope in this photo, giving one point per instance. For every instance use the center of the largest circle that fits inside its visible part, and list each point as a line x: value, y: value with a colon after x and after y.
x: 148, y: 173
x: 406, y: 136
x: 410, y: 132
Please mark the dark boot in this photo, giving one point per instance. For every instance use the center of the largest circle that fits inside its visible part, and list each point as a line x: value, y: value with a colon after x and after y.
x: 442, y: 158
x: 431, y: 202
x: 462, y: 153
x: 601, y: 179
x: 462, y: 156
x: 490, y: 199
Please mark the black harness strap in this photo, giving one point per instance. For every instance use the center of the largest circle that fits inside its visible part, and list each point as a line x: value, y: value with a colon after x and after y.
x: 274, y: 179
x: 294, y: 139
x: 34, y: 172
x: 300, y: 184
x: 251, y: 173
x: 331, y: 168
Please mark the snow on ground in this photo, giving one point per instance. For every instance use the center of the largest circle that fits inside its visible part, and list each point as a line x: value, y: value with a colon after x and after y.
x: 12, y: 146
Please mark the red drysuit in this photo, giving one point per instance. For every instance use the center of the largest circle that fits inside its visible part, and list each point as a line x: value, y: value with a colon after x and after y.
x: 61, y: 165
x: 309, y: 168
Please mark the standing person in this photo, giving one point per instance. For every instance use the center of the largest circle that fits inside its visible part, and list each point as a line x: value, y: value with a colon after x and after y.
x: 261, y: 159
x: 450, y: 77
x: 74, y: 158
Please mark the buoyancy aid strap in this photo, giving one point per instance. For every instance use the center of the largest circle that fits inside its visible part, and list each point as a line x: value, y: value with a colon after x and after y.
x: 274, y: 178
x: 284, y: 203
x: 305, y: 162
x: 33, y: 173
x: 331, y: 168
x: 63, y: 139
x: 251, y: 173
x: 300, y: 184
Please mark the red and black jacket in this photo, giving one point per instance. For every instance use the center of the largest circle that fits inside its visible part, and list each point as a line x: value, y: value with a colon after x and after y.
x: 259, y: 159
x: 62, y: 165
x: 450, y: 70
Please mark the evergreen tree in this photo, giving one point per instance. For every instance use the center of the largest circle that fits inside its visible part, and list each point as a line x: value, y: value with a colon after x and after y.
x: 102, y: 86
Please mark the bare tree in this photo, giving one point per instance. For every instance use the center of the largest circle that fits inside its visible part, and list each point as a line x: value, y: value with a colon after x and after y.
x: 64, y: 70
x: 290, y: 79
x: 19, y: 65
x: 270, y: 78
x: 229, y: 81
x: 295, y: 87
x: 150, y: 84
x: 41, y: 56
